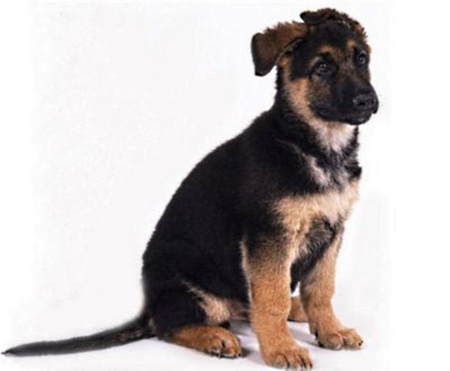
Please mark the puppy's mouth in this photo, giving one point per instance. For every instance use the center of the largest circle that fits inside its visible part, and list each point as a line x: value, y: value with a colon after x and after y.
x: 353, y: 119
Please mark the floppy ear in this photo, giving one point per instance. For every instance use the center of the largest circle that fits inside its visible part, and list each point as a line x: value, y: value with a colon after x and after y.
x: 269, y: 46
x: 328, y: 14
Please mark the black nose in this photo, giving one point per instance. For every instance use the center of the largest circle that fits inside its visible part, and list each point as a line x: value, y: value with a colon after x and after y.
x: 366, y: 102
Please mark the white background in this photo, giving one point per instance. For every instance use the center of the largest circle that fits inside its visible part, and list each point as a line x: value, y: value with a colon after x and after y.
x: 106, y: 106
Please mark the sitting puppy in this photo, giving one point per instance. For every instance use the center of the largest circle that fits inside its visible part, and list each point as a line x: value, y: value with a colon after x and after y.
x: 263, y: 212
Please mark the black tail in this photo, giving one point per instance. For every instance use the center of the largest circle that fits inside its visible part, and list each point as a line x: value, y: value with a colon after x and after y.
x: 137, y: 329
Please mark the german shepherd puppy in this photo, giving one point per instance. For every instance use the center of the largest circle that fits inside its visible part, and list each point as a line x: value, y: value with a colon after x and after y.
x: 264, y: 212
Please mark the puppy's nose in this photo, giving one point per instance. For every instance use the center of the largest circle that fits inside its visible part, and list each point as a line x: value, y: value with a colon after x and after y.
x: 365, y: 102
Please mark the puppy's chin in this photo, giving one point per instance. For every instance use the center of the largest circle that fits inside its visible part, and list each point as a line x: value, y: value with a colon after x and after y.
x: 357, y: 119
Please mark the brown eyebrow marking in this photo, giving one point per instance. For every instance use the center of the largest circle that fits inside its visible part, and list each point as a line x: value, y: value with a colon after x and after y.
x: 351, y: 45
x: 328, y: 49
x: 328, y: 52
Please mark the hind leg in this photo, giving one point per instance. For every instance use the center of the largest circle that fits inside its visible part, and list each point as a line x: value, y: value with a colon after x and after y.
x: 214, y: 340
x: 183, y: 318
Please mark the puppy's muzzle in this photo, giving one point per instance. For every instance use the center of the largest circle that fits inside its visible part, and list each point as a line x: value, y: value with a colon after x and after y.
x: 366, y: 103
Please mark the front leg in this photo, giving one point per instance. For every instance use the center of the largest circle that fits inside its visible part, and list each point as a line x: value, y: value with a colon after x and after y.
x: 317, y: 289
x: 268, y: 269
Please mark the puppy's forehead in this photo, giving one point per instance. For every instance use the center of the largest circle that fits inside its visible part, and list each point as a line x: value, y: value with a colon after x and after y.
x: 336, y: 36
x: 339, y: 51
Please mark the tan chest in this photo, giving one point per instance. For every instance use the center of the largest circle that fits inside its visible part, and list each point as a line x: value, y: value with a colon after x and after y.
x: 297, y: 213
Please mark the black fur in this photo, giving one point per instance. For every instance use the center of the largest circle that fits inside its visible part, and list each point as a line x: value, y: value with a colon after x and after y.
x: 135, y: 330
x: 229, y: 196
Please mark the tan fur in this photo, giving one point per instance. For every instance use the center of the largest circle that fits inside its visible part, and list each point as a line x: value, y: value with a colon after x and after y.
x: 213, y: 340
x: 333, y: 135
x: 269, y: 272
x: 218, y: 310
x: 297, y: 313
x: 269, y: 278
x: 334, y: 52
x: 350, y: 45
x: 246, y: 267
x: 317, y: 172
x: 317, y: 290
x: 297, y: 212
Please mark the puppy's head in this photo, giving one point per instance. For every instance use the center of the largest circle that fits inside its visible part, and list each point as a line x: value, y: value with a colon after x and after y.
x: 323, y: 66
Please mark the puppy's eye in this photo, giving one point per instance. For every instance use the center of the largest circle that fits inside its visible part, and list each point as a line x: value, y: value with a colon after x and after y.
x: 322, y: 68
x: 362, y: 59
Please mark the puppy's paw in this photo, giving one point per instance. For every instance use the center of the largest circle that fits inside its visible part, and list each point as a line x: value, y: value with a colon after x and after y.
x: 223, y: 344
x: 339, y: 339
x: 292, y: 357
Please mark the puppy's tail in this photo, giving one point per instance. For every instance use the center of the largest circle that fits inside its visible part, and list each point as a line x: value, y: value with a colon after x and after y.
x: 137, y: 329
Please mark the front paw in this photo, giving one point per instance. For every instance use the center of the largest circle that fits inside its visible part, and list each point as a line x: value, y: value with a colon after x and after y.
x: 288, y: 357
x: 339, y: 339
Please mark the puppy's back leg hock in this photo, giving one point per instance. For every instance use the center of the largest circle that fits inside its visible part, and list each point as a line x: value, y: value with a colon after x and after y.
x: 213, y: 340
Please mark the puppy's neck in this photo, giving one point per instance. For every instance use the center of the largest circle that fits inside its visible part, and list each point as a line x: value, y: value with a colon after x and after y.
x: 333, y: 136
x: 298, y: 120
